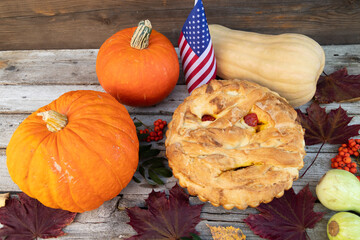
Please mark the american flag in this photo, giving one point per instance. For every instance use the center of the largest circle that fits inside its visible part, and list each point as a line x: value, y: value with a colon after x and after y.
x: 196, y: 50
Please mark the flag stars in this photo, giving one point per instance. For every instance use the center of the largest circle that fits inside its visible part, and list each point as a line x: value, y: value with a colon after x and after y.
x: 196, y: 30
x: 197, y: 37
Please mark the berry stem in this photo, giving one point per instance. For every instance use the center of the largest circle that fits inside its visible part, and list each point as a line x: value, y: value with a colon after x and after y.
x: 317, y: 154
x: 141, y: 122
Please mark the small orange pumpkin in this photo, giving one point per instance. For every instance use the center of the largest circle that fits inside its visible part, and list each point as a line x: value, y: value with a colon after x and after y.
x: 138, y: 66
x: 76, y: 152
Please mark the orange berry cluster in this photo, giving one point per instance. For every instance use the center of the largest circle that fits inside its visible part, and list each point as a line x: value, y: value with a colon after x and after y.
x: 343, y: 159
x: 157, y: 134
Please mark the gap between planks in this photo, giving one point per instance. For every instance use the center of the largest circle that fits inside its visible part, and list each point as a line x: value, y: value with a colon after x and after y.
x: 77, y: 67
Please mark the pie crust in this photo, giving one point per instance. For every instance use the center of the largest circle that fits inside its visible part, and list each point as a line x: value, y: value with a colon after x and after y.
x: 226, y: 161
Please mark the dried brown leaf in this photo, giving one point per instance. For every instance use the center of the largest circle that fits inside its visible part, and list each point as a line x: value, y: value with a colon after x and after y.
x: 226, y: 233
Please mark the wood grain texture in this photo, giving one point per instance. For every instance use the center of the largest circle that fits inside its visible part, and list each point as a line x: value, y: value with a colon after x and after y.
x: 321, y: 165
x: 9, y: 122
x: 31, y: 79
x: 28, y: 98
x: 55, y: 24
x: 77, y: 67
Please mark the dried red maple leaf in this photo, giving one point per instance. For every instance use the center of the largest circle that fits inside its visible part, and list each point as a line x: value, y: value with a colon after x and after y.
x: 26, y: 218
x: 286, y: 218
x: 338, y: 87
x: 165, y: 218
x: 322, y: 127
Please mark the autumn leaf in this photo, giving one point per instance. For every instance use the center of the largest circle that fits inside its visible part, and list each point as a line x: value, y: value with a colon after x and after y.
x: 3, y: 198
x: 165, y: 218
x: 286, y: 218
x: 26, y: 218
x: 322, y: 127
x: 225, y: 233
x: 338, y: 87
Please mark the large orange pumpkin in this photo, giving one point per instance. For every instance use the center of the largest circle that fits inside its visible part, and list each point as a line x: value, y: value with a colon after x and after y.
x: 138, y: 68
x: 76, y: 152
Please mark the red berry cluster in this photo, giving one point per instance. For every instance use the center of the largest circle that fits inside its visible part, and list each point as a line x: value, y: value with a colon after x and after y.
x: 343, y: 159
x: 157, y: 134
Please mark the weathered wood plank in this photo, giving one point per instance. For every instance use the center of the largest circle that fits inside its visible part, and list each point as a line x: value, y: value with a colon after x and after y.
x: 28, y: 98
x: 62, y: 67
x: 9, y: 123
x: 20, y: 99
x: 77, y: 67
x: 321, y: 165
x: 107, y: 222
x: 58, y: 24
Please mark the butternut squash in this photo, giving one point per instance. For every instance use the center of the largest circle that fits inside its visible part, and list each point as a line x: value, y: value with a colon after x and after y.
x: 289, y: 64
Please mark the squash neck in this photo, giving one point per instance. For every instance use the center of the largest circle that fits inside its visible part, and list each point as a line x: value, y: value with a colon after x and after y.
x: 54, y: 120
x: 140, y: 38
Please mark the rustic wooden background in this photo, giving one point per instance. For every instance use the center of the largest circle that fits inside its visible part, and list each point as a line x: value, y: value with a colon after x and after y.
x: 65, y: 24
x: 31, y: 79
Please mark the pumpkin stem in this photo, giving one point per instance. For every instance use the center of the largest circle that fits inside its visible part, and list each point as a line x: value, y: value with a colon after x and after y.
x: 55, y: 121
x: 140, y: 38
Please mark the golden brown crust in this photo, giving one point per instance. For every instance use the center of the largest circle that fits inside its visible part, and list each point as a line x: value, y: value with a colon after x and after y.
x: 226, y: 161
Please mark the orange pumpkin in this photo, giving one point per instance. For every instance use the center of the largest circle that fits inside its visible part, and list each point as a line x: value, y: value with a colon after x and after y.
x: 76, y: 152
x: 138, y: 68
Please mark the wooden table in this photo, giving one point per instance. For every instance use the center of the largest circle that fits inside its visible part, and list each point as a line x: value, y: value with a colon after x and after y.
x: 31, y: 79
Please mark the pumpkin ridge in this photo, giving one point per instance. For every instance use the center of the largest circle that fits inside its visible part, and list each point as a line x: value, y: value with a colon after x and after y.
x: 124, y: 150
x: 111, y: 125
x: 99, y: 156
x: 68, y: 182
x: 54, y: 180
x: 59, y: 105
x: 31, y: 161
x: 73, y: 106
x: 71, y: 191
x: 76, y: 109
x: 19, y: 142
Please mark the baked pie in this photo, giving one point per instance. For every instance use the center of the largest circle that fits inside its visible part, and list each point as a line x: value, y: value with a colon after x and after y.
x: 235, y: 143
